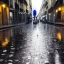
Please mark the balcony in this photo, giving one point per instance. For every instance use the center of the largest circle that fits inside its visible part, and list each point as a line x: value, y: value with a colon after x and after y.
x: 16, y: 6
x: 46, y: 7
x: 46, y: 3
x: 5, y: 1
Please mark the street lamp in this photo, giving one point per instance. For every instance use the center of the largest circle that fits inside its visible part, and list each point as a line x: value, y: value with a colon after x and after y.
x: 3, y: 5
x: 59, y: 9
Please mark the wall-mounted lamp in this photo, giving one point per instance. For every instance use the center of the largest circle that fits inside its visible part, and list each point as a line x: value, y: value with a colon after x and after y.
x: 3, y: 5
x: 59, y: 9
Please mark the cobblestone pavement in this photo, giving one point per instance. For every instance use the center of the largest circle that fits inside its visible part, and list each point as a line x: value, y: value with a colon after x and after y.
x: 31, y: 44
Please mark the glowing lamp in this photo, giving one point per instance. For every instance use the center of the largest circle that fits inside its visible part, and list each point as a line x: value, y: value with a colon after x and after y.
x: 59, y: 9
x: 3, y: 5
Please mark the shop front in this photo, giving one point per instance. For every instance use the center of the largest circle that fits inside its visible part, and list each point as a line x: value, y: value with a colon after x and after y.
x: 4, y: 14
x: 60, y: 14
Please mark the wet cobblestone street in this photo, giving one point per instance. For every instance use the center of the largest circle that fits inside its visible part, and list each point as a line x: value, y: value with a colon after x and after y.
x: 31, y: 44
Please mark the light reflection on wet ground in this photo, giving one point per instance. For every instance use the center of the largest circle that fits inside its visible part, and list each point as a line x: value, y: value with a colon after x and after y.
x: 32, y: 44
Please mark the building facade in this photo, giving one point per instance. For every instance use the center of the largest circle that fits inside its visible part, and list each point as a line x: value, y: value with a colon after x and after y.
x: 14, y: 11
x: 44, y: 10
x: 4, y: 12
x: 59, y: 9
x: 54, y: 10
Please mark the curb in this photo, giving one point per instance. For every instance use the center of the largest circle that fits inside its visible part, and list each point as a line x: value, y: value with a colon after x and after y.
x: 53, y: 24
x: 9, y: 26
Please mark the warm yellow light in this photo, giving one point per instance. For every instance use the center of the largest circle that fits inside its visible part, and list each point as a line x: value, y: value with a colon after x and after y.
x: 59, y: 9
x: 56, y: 11
x: 5, y: 43
x: 59, y: 36
x: 3, y: 5
x: 0, y: 9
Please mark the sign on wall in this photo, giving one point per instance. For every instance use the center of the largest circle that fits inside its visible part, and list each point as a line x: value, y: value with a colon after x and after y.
x: 34, y: 12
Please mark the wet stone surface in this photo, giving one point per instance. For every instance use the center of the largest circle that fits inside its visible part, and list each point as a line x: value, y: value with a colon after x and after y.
x: 32, y: 44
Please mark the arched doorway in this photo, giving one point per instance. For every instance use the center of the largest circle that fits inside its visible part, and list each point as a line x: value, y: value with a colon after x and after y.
x: 4, y: 14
